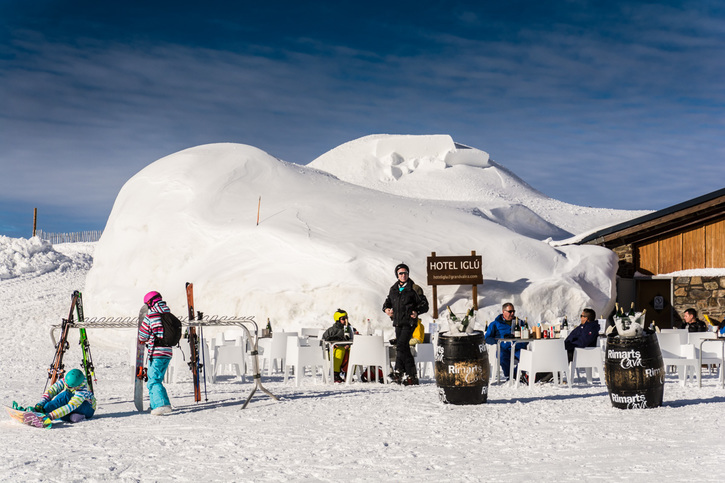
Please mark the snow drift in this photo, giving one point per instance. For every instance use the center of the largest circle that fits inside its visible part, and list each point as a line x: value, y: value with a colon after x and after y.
x: 321, y: 242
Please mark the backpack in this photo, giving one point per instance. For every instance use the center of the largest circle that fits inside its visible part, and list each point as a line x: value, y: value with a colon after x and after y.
x: 172, y: 331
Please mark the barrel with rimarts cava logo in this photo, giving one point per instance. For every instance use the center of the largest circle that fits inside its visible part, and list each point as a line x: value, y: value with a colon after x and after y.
x: 634, y: 372
x: 461, y: 368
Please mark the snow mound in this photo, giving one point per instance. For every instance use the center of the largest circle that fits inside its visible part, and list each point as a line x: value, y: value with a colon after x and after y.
x: 437, y: 168
x: 321, y: 243
x: 33, y: 257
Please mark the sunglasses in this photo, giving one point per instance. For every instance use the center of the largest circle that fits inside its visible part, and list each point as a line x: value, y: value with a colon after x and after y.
x: 510, y: 311
x: 343, y: 318
x: 402, y: 273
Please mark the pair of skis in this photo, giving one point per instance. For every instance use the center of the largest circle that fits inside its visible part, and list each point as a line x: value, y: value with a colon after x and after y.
x: 57, y: 368
x: 140, y: 375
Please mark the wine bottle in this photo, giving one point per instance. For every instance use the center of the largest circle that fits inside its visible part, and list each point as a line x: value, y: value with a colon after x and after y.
x: 269, y: 326
x: 517, y: 329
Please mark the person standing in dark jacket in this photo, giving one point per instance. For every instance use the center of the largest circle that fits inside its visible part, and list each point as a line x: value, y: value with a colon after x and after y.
x: 583, y: 335
x: 404, y: 303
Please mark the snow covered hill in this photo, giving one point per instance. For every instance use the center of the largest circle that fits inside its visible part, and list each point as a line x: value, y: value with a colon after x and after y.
x: 324, y: 243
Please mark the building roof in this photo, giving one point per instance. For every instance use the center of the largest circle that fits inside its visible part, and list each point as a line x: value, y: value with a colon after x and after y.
x: 676, y: 217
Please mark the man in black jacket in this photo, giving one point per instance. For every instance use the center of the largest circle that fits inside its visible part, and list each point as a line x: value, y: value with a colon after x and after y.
x: 405, y: 302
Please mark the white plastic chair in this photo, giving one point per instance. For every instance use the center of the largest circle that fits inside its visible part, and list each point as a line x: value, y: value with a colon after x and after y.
x: 299, y: 355
x: 678, y: 354
x: 588, y: 358
x: 546, y: 355
x: 709, y: 357
x: 229, y: 357
x: 368, y: 350
x: 682, y: 333
x: 493, y: 361
x: 424, y: 355
x: 275, y: 349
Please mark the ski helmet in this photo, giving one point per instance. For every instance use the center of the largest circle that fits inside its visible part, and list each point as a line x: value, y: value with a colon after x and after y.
x: 339, y: 314
x: 74, y: 378
x: 151, y: 297
x: 401, y: 265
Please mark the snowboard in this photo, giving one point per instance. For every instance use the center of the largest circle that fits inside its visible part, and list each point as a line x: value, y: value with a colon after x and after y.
x: 29, y: 418
x: 139, y: 376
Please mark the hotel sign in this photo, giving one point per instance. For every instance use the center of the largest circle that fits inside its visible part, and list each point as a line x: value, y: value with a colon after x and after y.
x: 464, y: 270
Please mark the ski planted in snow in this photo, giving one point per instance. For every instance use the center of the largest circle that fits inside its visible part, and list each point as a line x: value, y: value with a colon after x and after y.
x: 194, y: 364
x: 87, y: 361
x: 57, y: 369
x: 139, y: 376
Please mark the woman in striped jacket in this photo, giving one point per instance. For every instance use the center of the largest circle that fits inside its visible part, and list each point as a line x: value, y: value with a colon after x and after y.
x: 150, y: 331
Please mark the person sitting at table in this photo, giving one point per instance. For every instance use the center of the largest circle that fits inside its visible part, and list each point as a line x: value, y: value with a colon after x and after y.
x: 340, y: 330
x: 692, y: 323
x: 501, y: 328
x: 583, y: 335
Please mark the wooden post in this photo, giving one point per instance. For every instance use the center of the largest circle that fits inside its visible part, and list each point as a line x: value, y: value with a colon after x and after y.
x: 259, y: 205
x: 35, y: 219
x: 475, y: 288
x: 435, y: 294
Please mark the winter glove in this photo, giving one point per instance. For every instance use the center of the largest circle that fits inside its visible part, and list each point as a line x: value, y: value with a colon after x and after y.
x: 39, y: 408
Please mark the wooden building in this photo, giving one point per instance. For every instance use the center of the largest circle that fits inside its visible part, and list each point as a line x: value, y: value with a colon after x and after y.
x: 688, y: 238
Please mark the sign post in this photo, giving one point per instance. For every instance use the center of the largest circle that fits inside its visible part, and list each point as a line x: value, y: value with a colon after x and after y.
x: 454, y: 271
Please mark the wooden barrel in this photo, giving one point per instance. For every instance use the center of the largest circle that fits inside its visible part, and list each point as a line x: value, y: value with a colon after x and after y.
x: 461, y: 368
x: 634, y: 372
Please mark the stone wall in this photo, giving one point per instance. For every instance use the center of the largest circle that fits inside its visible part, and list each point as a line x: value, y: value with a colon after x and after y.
x: 626, y: 261
x: 705, y: 294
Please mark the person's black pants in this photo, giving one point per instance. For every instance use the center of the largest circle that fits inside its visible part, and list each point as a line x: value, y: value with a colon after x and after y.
x: 404, y: 360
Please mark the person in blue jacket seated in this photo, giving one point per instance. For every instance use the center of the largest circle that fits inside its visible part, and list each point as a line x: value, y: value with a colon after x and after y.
x: 502, y: 328
x: 584, y: 335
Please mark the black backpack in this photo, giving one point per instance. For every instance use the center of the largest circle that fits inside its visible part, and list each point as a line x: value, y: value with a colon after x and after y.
x: 172, y: 331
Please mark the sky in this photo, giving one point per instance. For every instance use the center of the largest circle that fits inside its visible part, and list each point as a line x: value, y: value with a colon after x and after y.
x: 604, y: 104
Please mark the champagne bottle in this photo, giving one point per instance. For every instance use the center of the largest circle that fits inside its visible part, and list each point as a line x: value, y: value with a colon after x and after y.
x: 467, y: 320
x: 452, y: 315
x: 517, y: 329
x: 617, y: 311
x: 525, y: 329
x: 631, y: 310
x: 269, y: 326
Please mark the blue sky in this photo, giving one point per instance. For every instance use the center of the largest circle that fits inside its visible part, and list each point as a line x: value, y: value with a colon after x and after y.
x: 606, y: 104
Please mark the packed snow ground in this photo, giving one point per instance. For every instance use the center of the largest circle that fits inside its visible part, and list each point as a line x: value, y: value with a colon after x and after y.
x: 363, y: 432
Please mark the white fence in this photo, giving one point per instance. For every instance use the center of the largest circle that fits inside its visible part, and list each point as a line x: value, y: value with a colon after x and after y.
x: 80, y: 236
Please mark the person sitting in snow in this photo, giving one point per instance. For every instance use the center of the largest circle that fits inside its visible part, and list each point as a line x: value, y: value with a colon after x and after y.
x: 341, y: 330
x: 69, y: 399
x: 502, y: 328
x: 585, y: 334
x: 159, y: 357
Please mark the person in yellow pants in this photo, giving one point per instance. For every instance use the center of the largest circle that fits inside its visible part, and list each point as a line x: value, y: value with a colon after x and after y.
x: 339, y: 331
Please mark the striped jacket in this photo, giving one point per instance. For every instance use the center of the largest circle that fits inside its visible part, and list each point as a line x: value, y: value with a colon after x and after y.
x: 81, y: 394
x: 152, y: 328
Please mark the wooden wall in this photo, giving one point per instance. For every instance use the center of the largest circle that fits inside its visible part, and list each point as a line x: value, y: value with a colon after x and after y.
x: 698, y: 247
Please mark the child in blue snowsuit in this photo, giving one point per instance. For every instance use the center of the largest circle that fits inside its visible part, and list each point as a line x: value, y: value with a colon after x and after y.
x: 499, y: 329
x: 69, y: 399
